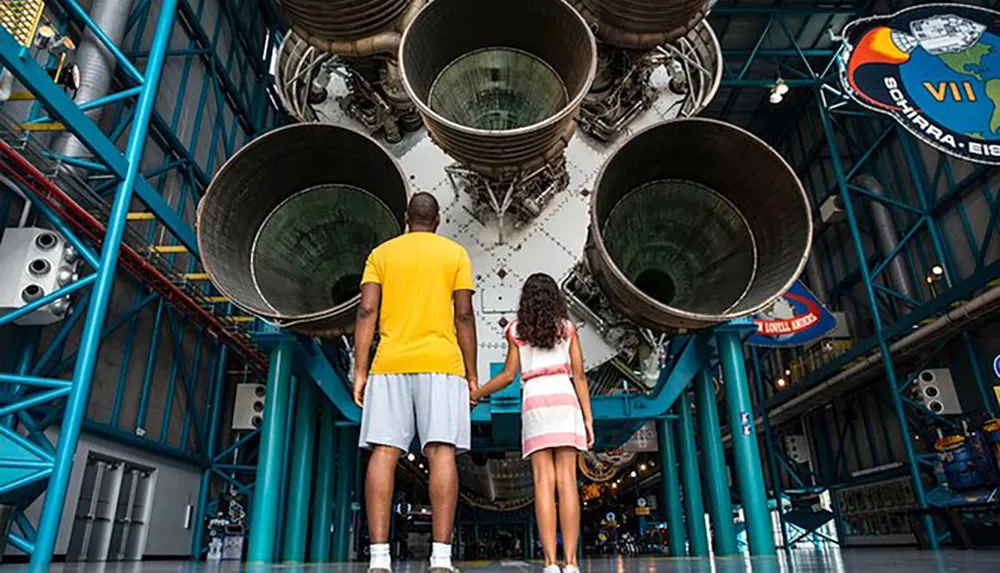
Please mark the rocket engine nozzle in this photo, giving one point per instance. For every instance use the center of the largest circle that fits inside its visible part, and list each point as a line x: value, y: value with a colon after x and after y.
x: 286, y: 224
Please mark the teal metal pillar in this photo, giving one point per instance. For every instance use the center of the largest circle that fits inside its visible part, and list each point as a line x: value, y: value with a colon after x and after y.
x: 670, y: 497
x: 713, y: 459
x: 215, y: 420
x: 264, y: 513
x: 746, y: 453
x: 347, y: 459
x: 691, y: 478
x: 90, y: 339
x: 300, y: 478
x: 326, y: 457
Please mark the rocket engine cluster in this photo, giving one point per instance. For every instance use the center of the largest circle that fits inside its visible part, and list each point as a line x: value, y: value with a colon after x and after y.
x: 692, y: 222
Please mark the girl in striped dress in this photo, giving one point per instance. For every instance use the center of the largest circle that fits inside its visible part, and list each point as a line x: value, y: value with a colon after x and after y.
x: 556, y: 419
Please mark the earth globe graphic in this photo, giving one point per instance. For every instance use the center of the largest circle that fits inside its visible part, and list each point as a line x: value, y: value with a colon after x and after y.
x: 940, y: 85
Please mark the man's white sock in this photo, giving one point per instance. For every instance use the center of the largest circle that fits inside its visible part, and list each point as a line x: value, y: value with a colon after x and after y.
x: 380, y: 556
x: 441, y: 555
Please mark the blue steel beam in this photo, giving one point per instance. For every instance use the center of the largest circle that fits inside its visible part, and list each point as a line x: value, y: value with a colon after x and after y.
x: 128, y: 168
x: 692, y: 358
x: 880, y: 334
x: 28, y: 72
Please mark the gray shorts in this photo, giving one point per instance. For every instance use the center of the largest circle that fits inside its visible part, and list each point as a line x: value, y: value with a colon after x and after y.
x: 398, y: 407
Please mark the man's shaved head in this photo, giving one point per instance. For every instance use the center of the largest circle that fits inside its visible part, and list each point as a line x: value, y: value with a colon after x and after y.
x: 423, y: 211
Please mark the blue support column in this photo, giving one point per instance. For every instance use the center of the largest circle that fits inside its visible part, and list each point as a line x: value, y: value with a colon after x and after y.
x: 883, y: 345
x: 746, y: 453
x: 215, y: 408
x: 347, y: 460
x: 90, y: 339
x: 713, y: 457
x: 694, y: 507
x: 319, y: 547
x: 300, y: 479
x: 670, y: 490
x: 264, y: 512
x: 286, y: 461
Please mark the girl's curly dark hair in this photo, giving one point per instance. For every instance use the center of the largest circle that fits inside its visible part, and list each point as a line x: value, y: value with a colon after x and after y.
x: 542, y: 315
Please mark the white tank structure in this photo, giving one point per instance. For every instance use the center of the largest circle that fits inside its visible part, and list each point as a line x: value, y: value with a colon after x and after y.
x: 357, y: 40
x: 649, y: 50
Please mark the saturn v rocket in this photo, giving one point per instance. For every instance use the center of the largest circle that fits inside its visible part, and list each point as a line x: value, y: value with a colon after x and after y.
x: 682, y: 225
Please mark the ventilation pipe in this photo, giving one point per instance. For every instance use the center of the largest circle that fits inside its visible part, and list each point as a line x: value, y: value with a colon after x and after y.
x: 817, y: 282
x: 956, y: 319
x: 885, y: 234
x: 97, y: 66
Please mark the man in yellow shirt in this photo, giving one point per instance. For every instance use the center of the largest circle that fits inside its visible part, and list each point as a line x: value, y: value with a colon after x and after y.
x: 417, y: 288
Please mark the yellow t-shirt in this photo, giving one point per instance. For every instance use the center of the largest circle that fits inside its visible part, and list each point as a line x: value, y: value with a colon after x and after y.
x: 419, y: 272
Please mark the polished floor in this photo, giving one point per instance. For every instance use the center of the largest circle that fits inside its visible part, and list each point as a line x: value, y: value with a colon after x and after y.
x: 799, y: 561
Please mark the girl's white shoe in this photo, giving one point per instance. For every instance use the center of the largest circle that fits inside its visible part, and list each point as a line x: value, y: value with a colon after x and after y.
x: 571, y: 569
x: 551, y: 569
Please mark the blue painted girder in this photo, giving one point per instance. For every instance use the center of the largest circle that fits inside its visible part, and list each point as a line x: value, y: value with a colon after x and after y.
x: 18, y: 60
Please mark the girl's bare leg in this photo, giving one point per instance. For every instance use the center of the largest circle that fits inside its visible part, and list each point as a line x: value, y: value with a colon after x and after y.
x: 569, y: 501
x: 544, y: 472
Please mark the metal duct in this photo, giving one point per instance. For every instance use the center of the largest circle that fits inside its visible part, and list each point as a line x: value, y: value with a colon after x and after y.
x: 642, y: 24
x: 885, y: 233
x: 97, y: 67
x: 351, y: 27
x: 695, y: 222
x: 286, y: 224
x: 817, y: 282
x: 499, y: 82
x: 957, y: 319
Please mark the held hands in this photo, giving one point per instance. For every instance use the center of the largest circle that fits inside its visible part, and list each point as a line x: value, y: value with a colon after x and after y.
x: 360, y: 381
x: 474, y: 395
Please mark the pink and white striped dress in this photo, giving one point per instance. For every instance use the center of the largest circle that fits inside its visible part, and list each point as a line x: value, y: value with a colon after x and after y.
x: 551, y: 416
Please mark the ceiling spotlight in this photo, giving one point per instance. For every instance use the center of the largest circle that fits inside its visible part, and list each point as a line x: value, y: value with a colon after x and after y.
x: 61, y: 45
x: 778, y: 91
x: 781, y: 383
x: 788, y: 372
x: 66, y: 76
x: 44, y: 36
x: 633, y: 474
x: 642, y: 467
x: 411, y: 457
x: 614, y: 485
x: 937, y: 270
x: 421, y: 466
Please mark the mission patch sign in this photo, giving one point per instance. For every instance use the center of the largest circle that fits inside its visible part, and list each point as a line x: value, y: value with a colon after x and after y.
x: 934, y: 68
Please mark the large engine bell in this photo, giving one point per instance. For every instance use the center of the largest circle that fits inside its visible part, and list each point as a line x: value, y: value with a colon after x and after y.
x: 695, y: 222
x: 286, y: 224
x: 499, y: 82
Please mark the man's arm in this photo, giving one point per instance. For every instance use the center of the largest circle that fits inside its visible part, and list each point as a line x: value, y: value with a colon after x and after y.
x: 465, y: 329
x: 364, y: 333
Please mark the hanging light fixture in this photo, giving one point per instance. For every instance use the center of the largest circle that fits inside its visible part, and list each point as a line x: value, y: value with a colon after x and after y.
x: 778, y: 91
